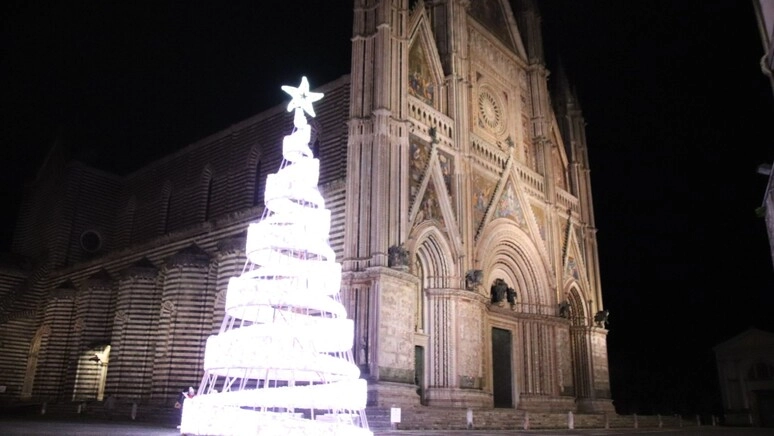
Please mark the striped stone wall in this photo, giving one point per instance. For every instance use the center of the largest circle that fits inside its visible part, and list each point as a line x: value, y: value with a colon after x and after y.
x: 53, y: 363
x: 187, y: 301
x: 137, y: 310
x: 131, y: 319
x: 231, y: 260
x: 94, y: 311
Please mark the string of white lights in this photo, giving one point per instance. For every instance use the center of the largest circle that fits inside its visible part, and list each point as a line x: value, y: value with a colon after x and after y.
x: 282, y: 363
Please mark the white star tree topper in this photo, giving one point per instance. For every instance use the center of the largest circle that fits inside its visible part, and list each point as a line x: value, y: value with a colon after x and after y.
x: 302, y: 98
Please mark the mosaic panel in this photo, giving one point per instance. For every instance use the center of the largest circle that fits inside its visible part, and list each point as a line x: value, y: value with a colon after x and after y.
x: 540, y: 217
x: 509, y: 206
x: 420, y: 155
x: 483, y: 190
x: 421, y: 84
x: 429, y: 208
x: 572, y: 268
x: 446, y: 161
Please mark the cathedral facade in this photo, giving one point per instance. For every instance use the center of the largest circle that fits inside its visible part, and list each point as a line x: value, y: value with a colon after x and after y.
x: 462, y: 216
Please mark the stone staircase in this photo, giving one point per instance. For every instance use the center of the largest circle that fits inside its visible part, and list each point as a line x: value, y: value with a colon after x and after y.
x: 412, y: 418
x: 425, y: 418
x: 378, y: 418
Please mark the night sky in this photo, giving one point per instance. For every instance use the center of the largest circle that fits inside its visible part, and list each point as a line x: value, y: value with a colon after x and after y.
x: 679, y: 117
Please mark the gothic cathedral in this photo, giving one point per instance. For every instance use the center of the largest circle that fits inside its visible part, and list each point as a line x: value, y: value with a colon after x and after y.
x: 462, y: 216
x: 470, y: 254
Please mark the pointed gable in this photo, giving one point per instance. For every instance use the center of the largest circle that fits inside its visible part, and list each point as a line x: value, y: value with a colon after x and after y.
x: 574, y: 263
x: 490, y: 14
x: 509, y: 206
x: 421, y: 83
x: 420, y: 158
x: 429, y: 208
x: 750, y: 339
x: 540, y: 220
x: 424, y: 64
x: 483, y: 193
x: 446, y: 163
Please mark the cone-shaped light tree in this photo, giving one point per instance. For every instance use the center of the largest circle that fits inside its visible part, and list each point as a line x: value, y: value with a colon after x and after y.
x: 282, y: 362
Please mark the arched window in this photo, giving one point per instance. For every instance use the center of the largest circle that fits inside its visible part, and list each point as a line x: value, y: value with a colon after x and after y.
x: 259, y: 183
x: 208, y: 204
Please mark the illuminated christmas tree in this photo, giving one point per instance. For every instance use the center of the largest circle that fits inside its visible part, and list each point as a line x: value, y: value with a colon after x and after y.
x: 282, y: 362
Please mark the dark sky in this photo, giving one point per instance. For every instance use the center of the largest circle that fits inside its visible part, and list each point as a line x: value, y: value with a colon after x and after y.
x: 678, y: 113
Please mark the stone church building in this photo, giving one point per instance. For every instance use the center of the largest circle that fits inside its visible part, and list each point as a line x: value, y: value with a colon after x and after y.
x: 462, y: 216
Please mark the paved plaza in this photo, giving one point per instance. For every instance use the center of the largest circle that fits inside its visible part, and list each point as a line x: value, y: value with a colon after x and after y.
x: 19, y: 427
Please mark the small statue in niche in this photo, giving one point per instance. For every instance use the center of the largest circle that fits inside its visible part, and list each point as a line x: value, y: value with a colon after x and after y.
x: 601, y: 318
x: 498, y: 291
x: 473, y: 279
x: 564, y: 309
x: 397, y: 257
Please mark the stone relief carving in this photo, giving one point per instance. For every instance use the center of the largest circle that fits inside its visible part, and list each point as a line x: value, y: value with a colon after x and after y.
x: 602, y: 318
x: 398, y: 257
x: 474, y: 279
x: 564, y: 309
x: 501, y: 293
x: 486, y: 50
x: 168, y: 306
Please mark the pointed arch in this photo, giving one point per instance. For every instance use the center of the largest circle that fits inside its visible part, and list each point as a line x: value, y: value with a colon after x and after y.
x: 256, y: 179
x: 166, y: 200
x: 433, y: 264
x: 205, y: 192
x: 506, y: 251
x: 437, y: 257
x: 579, y: 311
x: 32, y: 360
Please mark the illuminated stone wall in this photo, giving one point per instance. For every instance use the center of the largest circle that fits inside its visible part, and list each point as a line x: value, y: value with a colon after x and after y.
x: 481, y: 172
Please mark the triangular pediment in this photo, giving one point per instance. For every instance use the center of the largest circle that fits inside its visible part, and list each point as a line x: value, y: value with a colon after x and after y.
x: 509, y: 206
x: 432, y: 200
x: 424, y: 66
x: 574, y: 265
x: 749, y: 339
x: 496, y: 16
x: 505, y: 199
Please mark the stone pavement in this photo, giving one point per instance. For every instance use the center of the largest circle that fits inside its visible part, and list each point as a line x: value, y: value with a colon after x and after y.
x: 32, y: 427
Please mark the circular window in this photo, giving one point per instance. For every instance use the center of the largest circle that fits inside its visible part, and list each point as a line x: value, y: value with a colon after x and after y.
x: 91, y: 241
x: 489, y: 111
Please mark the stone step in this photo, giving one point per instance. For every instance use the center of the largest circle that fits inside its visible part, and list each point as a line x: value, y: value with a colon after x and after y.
x: 378, y: 418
